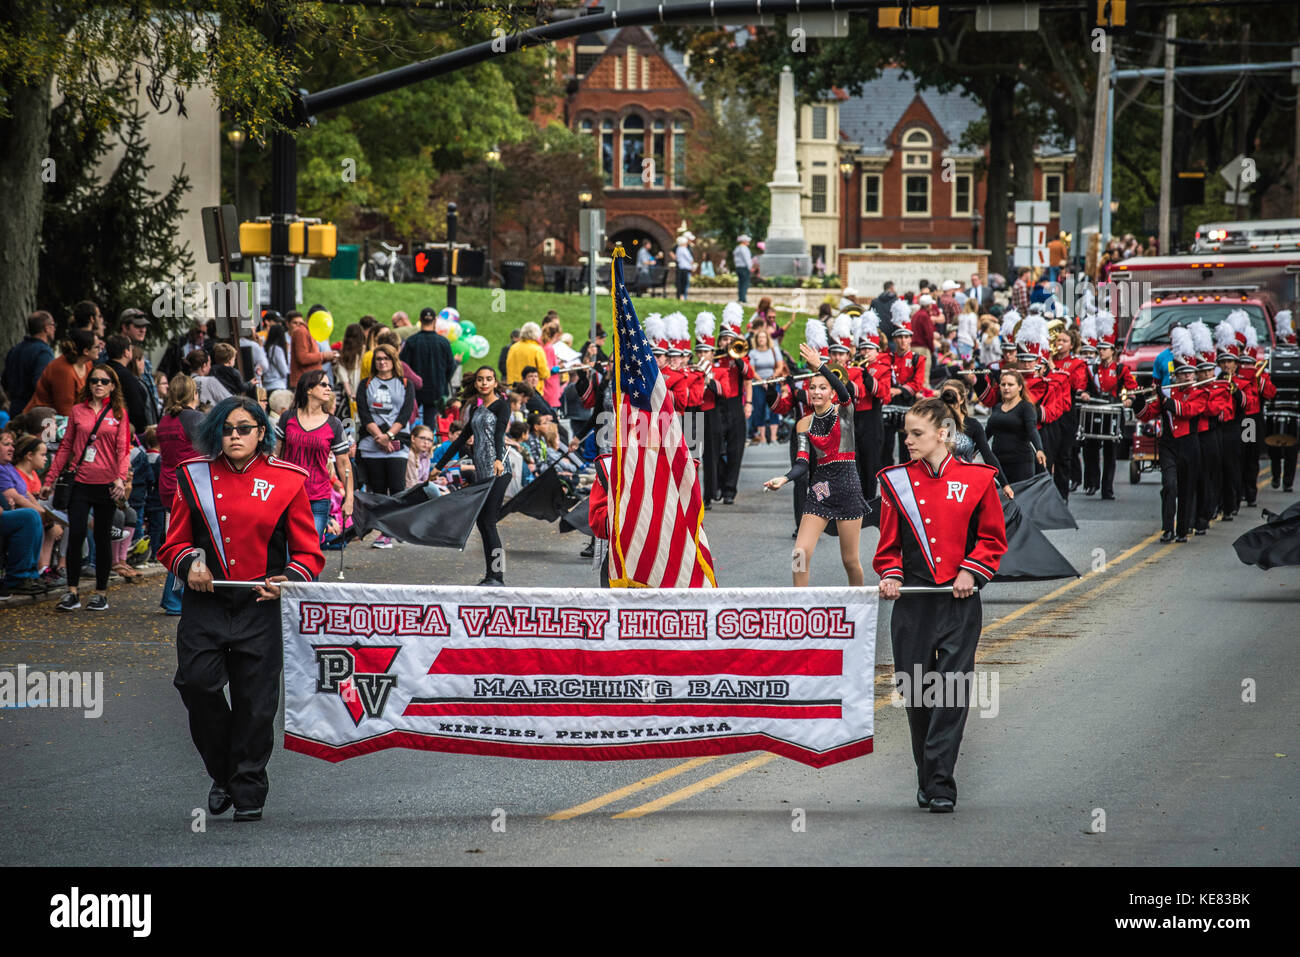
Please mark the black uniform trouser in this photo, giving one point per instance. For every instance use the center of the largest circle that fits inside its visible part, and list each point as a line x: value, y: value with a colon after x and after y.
x: 1076, y: 447
x: 735, y: 433
x: 1047, y: 435
x: 230, y: 638
x: 712, y: 451
x: 1179, y: 461
x: 1208, y: 476
x: 867, y: 429
x: 1060, y: 459
x: 1229, y: 466
x: 1283, y: 458
x: 937, y: 633
x: 1250, y: 425
x: 1099, y: 465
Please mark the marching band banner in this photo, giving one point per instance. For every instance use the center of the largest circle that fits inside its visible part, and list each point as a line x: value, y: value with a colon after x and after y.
x: 577, y: 673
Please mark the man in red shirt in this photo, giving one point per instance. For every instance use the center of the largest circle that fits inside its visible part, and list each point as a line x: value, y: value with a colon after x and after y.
x: 923, y: 320
x: 305, y: 353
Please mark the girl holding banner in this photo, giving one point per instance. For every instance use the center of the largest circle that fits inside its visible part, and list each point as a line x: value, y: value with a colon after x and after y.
x: 940, y: 523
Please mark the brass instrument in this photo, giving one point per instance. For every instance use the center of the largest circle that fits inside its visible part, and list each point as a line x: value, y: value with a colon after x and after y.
x: 1055, y: 328
x: 835, y: 371
x: 738, y: 349
x: 1125, y: 393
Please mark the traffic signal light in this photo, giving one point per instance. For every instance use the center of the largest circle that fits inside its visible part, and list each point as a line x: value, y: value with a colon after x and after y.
x: 910, y: 18
x: 318, y: 240
x: 1112, y: 13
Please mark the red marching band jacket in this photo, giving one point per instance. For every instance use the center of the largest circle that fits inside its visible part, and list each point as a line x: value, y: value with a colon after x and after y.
x: 1051, y: 393
x: 598, y: 503
x: 934, y: 523
x: 1175, y: 411
x: 250, y: 524
x: 871, y: 385
x: 909, y: 373
x: 1255, y: 390
x: 1218, y: 404
x: 729, y: 376
x: 1114, y: 377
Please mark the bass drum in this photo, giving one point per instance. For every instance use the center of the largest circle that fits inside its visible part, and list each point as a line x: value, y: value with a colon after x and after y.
x: 1282, y: 427
x: 892, y: 416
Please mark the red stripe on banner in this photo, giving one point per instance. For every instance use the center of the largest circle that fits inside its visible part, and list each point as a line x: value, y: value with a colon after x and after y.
x: 587, y: 710
x: 559, y: 752
x: 648, y: 661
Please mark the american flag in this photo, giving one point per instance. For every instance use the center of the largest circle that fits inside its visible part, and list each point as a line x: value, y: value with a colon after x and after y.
x: 657, y: 540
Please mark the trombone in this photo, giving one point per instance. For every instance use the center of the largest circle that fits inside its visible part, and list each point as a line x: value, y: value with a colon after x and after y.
x: 738, y: 349
x: 834, y: 370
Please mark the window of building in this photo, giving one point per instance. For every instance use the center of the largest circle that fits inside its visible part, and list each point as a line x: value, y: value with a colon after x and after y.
x: 917, y: 138
x: 657, y: 151
x: 618, y: 73
x: 818, y: 194
x: 633, y: 150
x: 607, y: 151
x: 819, y: 122
x: 870, y: 246
x: 1052, y: 191
x: 962, y: 185
x: 916, y: 160
x: 870, y: 194
x: 916, y: 195
x: 645, y: 73
x: 548, y: 246
x: 585, y: 59
x: 679, y: 154
x: 961, y: 246
x: 585, y: 126
x: 916, y: 245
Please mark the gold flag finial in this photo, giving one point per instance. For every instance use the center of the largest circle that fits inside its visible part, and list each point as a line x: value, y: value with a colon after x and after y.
x: 619, y: 252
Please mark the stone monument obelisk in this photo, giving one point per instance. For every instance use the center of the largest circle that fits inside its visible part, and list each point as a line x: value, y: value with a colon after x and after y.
x: 787, y: 250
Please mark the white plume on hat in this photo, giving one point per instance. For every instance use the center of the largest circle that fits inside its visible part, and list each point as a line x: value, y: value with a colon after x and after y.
x: 1009, y: 320
x: 655, y: 327
x: 1105, y: 323
x: 1180, y: 342
x: 1088, y: 328
x: 898, y: 313
x: 814, y: 333
x: 842, y: 329
x: 1202, y: 340
x: 1035, y: 308
x: 1033, y: 330
x: 1252, y: 338
x: 1240, y: 320
x: 733, y: 314
x: 676, y: 325
x: 855, y: 328
x: 704, y: 324
x: 869, y: 327
x: 1283, y: 324
x: 1224, y: 335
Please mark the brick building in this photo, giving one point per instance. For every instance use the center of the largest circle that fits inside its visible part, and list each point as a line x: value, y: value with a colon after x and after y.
x: 635, y: 99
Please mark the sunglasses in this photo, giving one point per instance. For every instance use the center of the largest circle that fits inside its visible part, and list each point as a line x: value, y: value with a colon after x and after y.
x: 229, y: 430
x: 99, y: 381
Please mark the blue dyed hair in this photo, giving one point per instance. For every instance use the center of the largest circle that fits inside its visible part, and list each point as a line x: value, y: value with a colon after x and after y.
x: 207, y: 440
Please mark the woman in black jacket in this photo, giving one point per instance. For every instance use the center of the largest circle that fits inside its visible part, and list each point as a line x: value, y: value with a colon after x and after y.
x: 485, y: 417
x: 1013, y: 424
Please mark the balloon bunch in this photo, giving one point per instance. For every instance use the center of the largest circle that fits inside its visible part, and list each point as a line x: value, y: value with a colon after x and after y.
x: 463, y: 335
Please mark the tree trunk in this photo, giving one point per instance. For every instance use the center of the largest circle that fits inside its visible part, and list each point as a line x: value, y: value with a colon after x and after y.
x: 1000, y: 106
x: 26, y: 135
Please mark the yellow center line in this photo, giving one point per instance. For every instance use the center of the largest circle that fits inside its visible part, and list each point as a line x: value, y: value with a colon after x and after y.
x: 617, y: 795
x: 712, y: 781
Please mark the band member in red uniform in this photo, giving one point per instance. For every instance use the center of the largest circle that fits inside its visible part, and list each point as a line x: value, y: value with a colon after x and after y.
x: 1229, y: 428
x: 1075, y: 371
x: 940, y: 524
x: 710, y: 413
x: 1113, y: 380
x: 1216, y: 401
x: 877, y: 377
x: 911, y: 378
x: 1256, y: 388
x: 1177, y: 406
x: 826, y: 440
x: 598, y: 514
x: 239, y: 515
x: 732, y: 377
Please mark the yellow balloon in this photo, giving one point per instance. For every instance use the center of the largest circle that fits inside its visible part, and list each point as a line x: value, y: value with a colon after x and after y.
x: 320, y: 325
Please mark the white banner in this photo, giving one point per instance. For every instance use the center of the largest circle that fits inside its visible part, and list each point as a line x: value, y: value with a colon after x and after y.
x: 578, y: 673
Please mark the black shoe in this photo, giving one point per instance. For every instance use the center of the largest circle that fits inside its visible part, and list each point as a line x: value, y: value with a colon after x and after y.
x: 1199, y: 531
x: 97, y: 603
x: 219, y: 800
x: 1289, y: 488
x: 708, y: 506
x: 921, y: 799
x: 1074, y: 486
x: 248, y: 814
x: 717, y: 496
x: 589, y: 551
x: 492, y: 580
x: 1166, y: 538
x: 729, y: 500
x: 1225, y: 517
x: 1108, y: 498
x: 28, y: 586
x: 1181, y: 539
x: 1276, y: 481
x: 69, y: 602
x: 942, y: 805
x: 1089, y: 491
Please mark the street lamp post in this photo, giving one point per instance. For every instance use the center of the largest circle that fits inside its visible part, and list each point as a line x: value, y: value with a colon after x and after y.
x: 236, y: 138
x: 493, y: 157
x: 846, y: 171
x: 588, y: 220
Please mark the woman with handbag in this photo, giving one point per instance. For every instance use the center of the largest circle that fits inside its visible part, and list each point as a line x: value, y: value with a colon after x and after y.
x: 93, y: 463
x: 385, y: 402
x: 176, y: 434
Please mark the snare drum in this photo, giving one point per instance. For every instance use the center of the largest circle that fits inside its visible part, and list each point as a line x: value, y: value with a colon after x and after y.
x: 1282, y: 427
x: 892, y: 415
x: 1101, y: 420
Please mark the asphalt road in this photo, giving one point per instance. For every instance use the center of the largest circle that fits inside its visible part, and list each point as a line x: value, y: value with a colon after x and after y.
x: 1121, y: 737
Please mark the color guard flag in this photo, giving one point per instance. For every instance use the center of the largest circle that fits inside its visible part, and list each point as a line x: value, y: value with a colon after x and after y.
x: 656, y: 510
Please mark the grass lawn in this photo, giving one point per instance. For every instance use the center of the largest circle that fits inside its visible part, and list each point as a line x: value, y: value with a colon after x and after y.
x: 493, y: 311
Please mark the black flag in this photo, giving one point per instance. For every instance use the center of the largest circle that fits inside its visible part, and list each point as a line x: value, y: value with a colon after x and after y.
x: 544, y: 498
x: 577, y: 519
x: 1030, y: 556
x: 1274, y: 544
x: 1042, y: 504
x: 412, y: 516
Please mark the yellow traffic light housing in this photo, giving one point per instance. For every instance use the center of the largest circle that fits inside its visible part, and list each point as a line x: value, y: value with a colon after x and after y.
x: 1112, y: 13
x: 917, y: 18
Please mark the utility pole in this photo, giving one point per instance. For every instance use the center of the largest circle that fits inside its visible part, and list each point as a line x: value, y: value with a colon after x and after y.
x: 1243, y: 112
x: 1167, y: 135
